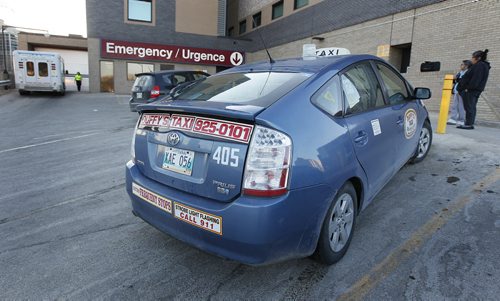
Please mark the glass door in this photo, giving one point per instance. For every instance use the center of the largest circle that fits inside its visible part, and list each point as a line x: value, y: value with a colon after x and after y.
x: 107, y: 77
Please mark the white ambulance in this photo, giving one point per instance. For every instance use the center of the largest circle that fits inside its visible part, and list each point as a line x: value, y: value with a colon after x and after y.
x: 38, y: 71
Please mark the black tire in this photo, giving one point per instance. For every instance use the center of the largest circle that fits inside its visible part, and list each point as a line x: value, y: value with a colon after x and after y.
x: 23, y: 92
x: 325, y: 253
x: 420, y: 154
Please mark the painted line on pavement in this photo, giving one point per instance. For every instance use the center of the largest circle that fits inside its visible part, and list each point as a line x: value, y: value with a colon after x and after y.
x: 365, y: 284
x: 45, y: 143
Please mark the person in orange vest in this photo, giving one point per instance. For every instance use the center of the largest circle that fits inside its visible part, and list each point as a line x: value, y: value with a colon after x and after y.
x: 78, y: 80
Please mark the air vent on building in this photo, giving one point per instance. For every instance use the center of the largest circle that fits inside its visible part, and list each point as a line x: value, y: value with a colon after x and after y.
x: 221, y: 18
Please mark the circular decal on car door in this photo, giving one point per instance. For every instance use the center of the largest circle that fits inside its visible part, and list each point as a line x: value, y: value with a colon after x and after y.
x: 410, y: 123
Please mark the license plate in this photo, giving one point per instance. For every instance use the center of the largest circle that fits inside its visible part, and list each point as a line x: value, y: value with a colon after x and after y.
x: 178, y: 160
x: 138, y: 95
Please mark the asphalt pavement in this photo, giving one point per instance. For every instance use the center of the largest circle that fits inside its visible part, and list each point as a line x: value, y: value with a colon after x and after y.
x: 67, y: 232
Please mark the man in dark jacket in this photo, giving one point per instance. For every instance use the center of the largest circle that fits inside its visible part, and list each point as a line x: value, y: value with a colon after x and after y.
x: 472, y: 84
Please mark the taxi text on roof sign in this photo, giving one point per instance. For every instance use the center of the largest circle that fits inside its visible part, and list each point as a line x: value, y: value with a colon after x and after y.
x: 331, y: 51
x: 309, y: 51
x: 169, y: 53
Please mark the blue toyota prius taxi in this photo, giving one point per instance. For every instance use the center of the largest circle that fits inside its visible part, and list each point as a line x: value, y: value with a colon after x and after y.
x: 270, y: 161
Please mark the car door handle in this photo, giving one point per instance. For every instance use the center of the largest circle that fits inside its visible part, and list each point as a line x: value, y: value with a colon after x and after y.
x: 361, y: 138
x: 400, y: 120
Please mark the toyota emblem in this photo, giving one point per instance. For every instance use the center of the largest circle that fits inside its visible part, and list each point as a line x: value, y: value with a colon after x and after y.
x: 173, y: 139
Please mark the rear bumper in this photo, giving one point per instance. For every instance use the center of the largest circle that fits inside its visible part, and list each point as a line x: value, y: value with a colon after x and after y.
x: 133, y: 105
x: 254, y: 230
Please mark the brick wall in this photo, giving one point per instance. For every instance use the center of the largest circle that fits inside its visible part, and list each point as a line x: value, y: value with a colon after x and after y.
x: 448, y: 32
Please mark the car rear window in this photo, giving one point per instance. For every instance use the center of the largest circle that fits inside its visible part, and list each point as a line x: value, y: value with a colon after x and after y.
x: 143, y: 82
x: 255, y: 88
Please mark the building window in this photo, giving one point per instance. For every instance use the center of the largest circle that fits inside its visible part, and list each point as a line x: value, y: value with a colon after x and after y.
x: 243, y: 26
x: 140, y: 10
x: 166, y: 67
x: 230, y: 31
x: 135, y: 68
x: 278, y: 9
x: 300, y: 3
x: 257, y: 20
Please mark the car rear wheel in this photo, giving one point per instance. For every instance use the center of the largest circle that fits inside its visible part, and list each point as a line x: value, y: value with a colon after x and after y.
x: 338, y: 226
x: 424, y: 143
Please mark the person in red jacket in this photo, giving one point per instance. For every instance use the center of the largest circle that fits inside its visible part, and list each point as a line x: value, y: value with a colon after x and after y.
x: 472, y: 84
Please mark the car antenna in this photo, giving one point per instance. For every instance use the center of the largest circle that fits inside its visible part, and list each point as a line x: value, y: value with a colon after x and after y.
x: 271, y: 61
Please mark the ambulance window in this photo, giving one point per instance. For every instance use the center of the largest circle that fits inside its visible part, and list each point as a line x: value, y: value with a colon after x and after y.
x: 43, y: 69
x: 329, y: 97
x: 30, y: 69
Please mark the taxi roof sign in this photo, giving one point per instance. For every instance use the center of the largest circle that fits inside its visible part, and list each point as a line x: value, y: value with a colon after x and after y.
x: 309, y: 51
x: 331, y: 51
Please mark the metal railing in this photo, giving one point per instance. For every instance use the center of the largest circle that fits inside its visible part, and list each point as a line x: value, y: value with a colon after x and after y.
x: 5, y: 83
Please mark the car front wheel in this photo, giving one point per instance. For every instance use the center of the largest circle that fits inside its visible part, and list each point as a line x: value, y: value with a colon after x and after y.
x: 424, y: 143
x: 338, y: 226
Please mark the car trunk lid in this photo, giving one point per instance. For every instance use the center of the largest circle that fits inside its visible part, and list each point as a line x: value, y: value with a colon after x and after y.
x: 197, y: 147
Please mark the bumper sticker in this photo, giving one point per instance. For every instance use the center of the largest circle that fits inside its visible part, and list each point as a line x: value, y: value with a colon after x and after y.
x: 198, y: 218
x: 152, y: 198
x: 207, y: 126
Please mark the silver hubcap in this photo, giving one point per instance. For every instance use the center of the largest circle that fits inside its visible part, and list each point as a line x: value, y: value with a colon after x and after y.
x: 423, y: 142
x: 341, y: 222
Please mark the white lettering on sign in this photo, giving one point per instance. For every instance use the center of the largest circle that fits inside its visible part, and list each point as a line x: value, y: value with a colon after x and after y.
x: 173, y: 53
x: 201, y: 56
x: 236, y: 58
x: 141, y: 52
x: 198, y: 218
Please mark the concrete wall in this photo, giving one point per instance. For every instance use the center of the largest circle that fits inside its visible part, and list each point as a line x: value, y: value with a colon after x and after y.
x: 28, y: 41
x: 327, y: 16
x: 198, y: 17
x: 448, y: 32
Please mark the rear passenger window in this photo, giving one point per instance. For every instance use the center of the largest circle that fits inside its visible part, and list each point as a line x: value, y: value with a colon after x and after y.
x: 43, y: 69
x: 30, y: 69
x: 179, y: 79
x: 395, y: 86
x: 361, y: 89
x: 198, y: 76
x: 329, y: 97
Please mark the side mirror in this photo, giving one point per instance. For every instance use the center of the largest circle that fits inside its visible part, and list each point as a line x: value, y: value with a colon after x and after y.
x: 422, y: 93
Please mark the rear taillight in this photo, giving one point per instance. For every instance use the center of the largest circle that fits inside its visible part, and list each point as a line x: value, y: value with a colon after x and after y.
x: 132, y: 147
x: 268, y: 163
x: 155, y: 92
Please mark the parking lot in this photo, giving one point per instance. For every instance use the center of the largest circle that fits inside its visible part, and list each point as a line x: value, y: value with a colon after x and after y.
x: 67, y: 231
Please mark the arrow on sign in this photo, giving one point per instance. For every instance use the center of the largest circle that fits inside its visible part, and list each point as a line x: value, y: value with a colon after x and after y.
x: 236, y: 58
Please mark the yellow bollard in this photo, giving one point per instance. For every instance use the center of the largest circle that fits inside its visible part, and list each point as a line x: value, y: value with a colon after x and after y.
x: 445, y: 104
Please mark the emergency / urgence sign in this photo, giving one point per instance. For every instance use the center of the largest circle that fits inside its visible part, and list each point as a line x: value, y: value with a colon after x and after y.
x: 169, y: 53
